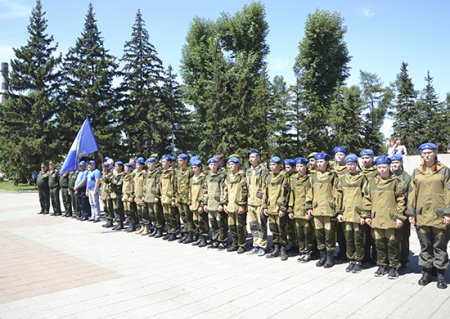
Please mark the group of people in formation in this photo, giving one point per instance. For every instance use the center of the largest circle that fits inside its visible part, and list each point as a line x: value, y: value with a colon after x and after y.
x: 364, y: 205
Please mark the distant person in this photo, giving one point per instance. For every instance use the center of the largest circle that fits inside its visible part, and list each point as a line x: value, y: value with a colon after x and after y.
x: 43, y: 188
x: 399, y: 148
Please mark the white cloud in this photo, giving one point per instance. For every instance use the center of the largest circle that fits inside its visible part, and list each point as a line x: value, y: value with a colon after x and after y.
x: 368, y: 13
x: 10, y: 9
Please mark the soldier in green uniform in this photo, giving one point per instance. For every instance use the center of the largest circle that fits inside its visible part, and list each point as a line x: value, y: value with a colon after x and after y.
x: 312, y: 167
x: 322, y: 206
x: 351, y: 190
x: 150, y: 200
x: 300, y: 186
x: 292, y: 247
x: 105, y: 194
x: 256, y: 176
x: 116, y: 194
x: 397, y: 170
x: 196, y: 200
x: 212, y: 190
x: 340, y: 152
x: 234, y: 203
x: 64, y: 184
x: 43, y: 189
x: 386, y: 202
x: 129, y: 205
x: 429, y: 210
x: 73, y: 194
x: 184, y: 175
x: 53, y: 183
x: 167, y: 190
x: 370, y: 171
x: 275, y: 205
x: 142, y: 211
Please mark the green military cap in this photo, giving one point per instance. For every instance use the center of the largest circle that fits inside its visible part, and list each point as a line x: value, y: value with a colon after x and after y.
x: 154, y: 155
x: 234, y: 155
x: 51, y: 163
x: 311, y: 155
x: 43, y: 164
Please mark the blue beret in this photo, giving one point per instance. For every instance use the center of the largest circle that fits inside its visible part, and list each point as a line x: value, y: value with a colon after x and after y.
x: 382, y: 160
x: 341, y: 149
x: 252, y: 151
x: 172, y: 158
x: 92, y: 162
x: 351, y: 158
x: 366, y: 152
x: 275, y: 159
x: 427, y: 146
x: 140, y: 160
x: 105, y: 164
x: 106, y: 158
x: 165, y: 157
x: 183, y: 156
x: 82, y: 163
x: 193, y: 159
x: 323, y: 156
x: 196, y: 162
x: 289, y: 162
x: 213, y: 160
x: 301, y: 160
x: 128, y: 165
x: 120, y: 163
x: 234, y: 160
x: 396, y: 157
x: 151, y: 160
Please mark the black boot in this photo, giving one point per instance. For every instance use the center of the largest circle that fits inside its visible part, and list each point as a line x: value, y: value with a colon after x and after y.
x: 426, y: 277
x: 119, y: 226
x: 330, y: 260
x: 322, y: 259
x: 158, y: 233
x: 203, y: 242
x: 182, y: 237
x: 441, y: 282
x: 132, y: 227
x: 197, y: 239
x: 283, y: 254
x: 108, y: 224
x: 275, y: 253
x: 188, y: 239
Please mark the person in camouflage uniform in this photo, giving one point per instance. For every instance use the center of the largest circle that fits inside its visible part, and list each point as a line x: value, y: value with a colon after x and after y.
x: 196, y: 200
x: 234, y: 203
x: 275, y: 205
x: 116, y: 194
x: 105, y: 194
x: 385, y: 201
x: 166, y: 192
x: 351, y: 190
x: 340, y: 152
x: 154, y: 207
x: 322, y: 205
x: 43, y: 189
x: 73, y: 194
x: 300, y: 187
x: 212, y: 190
x: 184, y: 175
x: 129, y: 205
x: 64, y: 184
x: 142, y: 210
x: 429, y: 210
x: 53, y: 183
x: 291, y: 231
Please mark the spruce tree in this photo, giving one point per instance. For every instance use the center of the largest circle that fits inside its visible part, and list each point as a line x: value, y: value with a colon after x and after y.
x: 27, y: 120
x: 142, y: 75
x: 89, y: 71
x: 406, y: 114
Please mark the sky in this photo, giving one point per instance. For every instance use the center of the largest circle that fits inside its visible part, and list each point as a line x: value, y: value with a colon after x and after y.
x: 380, y: 34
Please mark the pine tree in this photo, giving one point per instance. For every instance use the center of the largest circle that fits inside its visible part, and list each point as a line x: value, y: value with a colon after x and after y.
x: 377, y: 100
x: 320, y: 66
x: 89, y: 71
x: 406, y: 113
x: 142, y: 75
x: 27, y: 119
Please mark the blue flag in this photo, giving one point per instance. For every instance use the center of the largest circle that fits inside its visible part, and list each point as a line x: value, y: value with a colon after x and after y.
x: 83, y: 145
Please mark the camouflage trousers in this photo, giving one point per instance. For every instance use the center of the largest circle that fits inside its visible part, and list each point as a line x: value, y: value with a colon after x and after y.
x: 277, y: 226
x: 119, y: 209
x: 237, y: 224
x: 201, y: 225
x: 404, y: 242
x: 433, y: 247
x: 108, y: 208
x: 355, y: 235
x: 130, y: 210
x: 305, y: 235
x: 185, y: 214
x: 387, y: 243
x: 155, y: 213
x: 219, y: 226
x: 325, y: 231
x: 74, y: 203
x: 258, y: 226
x: 171, y: 216
x: 142, y: 213
x: 66, y: 200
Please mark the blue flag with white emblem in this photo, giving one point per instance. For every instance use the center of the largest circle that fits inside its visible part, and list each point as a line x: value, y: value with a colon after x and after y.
x: 83, y: 145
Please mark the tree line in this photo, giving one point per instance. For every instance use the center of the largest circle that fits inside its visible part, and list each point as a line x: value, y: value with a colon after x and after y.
x: 226, y: 103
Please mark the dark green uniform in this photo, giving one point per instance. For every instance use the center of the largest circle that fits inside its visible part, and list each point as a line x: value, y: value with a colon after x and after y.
x: 53, y: 183
x: 116, y: 195
x: 64, y: 183
x: 73, y: 194
x: 44, y: 191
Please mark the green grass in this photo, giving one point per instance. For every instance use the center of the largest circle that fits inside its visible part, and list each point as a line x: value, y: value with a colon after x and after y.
x: 9, y: 186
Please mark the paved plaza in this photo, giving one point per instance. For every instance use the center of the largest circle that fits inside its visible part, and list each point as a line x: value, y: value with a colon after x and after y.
x: 56, y: 267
